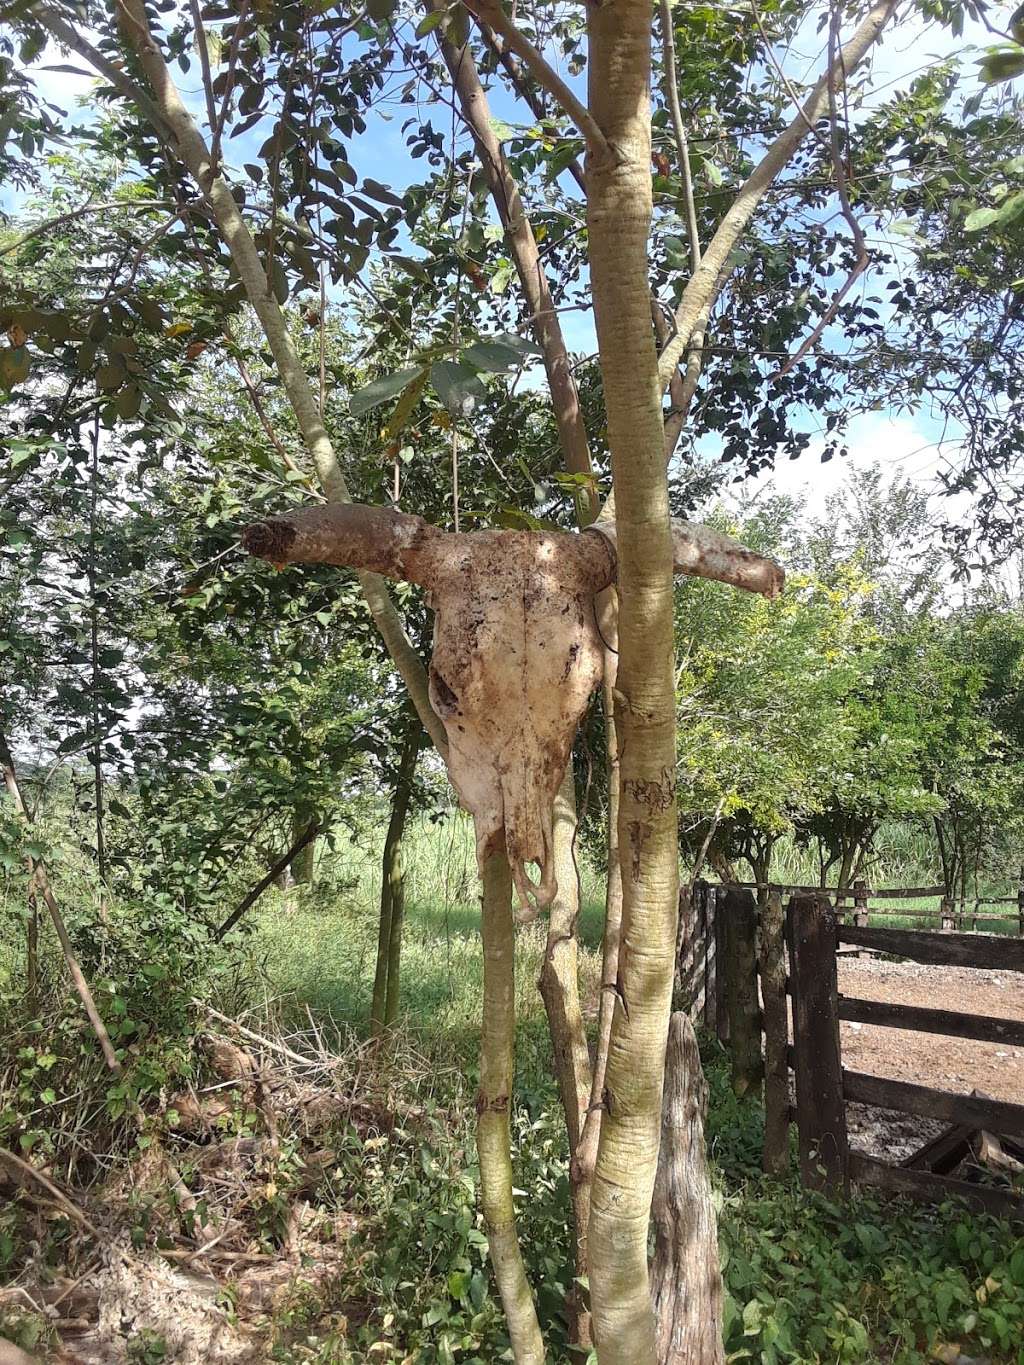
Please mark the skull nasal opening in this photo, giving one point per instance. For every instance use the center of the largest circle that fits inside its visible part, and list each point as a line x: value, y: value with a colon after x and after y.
x: 446, y: 703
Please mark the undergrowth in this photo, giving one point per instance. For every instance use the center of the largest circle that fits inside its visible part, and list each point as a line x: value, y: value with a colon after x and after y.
x: 808, y: 1280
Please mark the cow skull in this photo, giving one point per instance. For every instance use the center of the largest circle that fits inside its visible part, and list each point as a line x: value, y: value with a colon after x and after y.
x: 517, y: 651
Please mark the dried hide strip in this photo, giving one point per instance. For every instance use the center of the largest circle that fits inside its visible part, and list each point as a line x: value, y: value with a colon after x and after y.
x: 516, y: 651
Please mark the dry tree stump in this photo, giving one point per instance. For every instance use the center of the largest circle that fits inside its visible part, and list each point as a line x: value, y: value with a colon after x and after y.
x: 686, y: 1281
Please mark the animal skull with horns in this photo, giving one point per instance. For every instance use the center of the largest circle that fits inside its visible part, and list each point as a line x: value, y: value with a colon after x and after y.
x: 517, y: 651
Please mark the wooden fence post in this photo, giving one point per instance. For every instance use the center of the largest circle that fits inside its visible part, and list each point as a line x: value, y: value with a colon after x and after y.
x: 776, y: 1033
x: 860, y: 902
x: 738, y: 914
x: 691, y: 946
x: 821, y: 1110
x: 1020, y: 904
x: 718, y: 1012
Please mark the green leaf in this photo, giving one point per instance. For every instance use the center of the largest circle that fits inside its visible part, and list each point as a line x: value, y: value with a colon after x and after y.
x: 458, y: 387
x: 980, y: 218
x: 406, y: 405
x: 14, y: 366
x: 381, y: 193
x: 390, y: 386
x: 128, y: 402
x: 1002, y: 63
x: 497, y: 354
x: 431, y: 22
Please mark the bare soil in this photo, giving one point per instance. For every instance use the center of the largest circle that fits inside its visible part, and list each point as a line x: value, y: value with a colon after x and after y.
x: 955, y: 1064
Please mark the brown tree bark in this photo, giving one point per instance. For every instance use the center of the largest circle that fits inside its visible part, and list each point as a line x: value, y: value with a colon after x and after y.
x: 686, y: 1281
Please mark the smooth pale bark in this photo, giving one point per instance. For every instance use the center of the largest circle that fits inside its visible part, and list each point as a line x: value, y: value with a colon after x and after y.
x: 686, y: 1280
x: 384, y: 1007
x: 618, y: 219
x: 559, y: 988
x: 493, y: 1106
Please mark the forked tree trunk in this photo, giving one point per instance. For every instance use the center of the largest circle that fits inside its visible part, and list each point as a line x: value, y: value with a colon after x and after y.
x: 493, y: 1106
x: 618, y: 217
x: 686, y: 1281
x: 384, y: 1006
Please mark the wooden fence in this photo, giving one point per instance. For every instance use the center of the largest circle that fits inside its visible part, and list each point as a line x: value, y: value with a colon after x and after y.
x: 733, y: 977
x: 949, y: 912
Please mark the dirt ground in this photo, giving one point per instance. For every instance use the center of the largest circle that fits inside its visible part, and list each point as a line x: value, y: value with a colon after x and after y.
x: 956, y: 1064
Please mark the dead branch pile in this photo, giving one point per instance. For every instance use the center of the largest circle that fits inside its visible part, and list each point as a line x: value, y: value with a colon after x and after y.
x: 227, y: 1212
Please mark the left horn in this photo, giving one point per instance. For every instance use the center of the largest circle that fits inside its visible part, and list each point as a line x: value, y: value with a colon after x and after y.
x: 702, y: 553
x: 351, y: 534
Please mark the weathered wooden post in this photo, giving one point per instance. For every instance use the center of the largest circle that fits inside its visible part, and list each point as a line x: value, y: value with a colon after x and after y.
x: 776, y: 1033
x: 718, y: 1013
x: 1020, y: 904
x: 688, y: 989
x: 686, y: 1282
x: 820, y: 1108
x: 860, y: 902
x: 738, y: 915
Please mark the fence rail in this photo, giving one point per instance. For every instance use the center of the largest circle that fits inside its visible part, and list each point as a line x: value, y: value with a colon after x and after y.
x: 824, y: 1086
x: 733, y: 977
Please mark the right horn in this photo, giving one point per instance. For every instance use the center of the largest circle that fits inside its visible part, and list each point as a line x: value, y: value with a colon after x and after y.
x: 703, y: 553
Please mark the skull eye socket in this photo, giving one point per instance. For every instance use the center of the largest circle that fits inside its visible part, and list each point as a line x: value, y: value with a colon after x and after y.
x: 446, y: 703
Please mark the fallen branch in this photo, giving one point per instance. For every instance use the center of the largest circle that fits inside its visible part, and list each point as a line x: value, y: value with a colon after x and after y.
x: 73, y: 1211
x: 254, y: 1037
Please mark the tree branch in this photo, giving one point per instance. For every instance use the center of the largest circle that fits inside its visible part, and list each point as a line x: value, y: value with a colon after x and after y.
x: 549, y: 79
x: 863, y: 259
x: 523, y: 245
x: 176, y: 127
x: 286, y: 859
x: 710, y: 276
x: 668, y: 50
x: 515, y: 74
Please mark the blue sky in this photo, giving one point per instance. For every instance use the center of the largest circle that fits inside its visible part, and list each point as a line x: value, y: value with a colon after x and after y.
x: 903, y: 443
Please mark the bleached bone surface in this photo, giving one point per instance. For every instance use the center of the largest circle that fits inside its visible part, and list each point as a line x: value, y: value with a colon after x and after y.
x: 516, y: 657
x: 516, y: 651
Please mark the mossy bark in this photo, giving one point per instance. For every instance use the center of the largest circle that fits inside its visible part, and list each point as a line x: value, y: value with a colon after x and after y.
x: 386, y: 989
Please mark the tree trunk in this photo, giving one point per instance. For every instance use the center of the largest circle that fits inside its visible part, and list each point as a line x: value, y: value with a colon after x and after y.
x: 618, y: 216
x: 384, y: 1006
x: 32, y: 953
x: 303, y: 865
x: 560, y: 993
x: 493, y: 1105
x: 95, y: 673
x: 685, y: 1278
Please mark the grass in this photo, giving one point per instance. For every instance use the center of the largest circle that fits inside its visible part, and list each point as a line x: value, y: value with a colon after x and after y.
x: 319, y: 951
